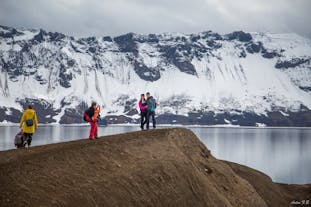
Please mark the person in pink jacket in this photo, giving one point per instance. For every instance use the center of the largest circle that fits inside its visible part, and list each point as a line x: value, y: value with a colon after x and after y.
x: 143, y: 110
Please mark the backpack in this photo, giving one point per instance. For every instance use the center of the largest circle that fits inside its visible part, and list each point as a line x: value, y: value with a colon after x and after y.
x: 19, y: 140
x: 88, y: 114
x: 152, y: 104
x: 85, y: 117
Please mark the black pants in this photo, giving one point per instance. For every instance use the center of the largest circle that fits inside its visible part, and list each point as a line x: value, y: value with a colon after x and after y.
x: 143, y: 118
x: 28, y: 138
x: 152, y: 114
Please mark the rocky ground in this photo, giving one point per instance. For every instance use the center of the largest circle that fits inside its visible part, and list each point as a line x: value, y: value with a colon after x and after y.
x: 166, y: 167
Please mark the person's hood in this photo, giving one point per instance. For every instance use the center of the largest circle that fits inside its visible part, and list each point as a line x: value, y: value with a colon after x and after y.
x: 29, y: 111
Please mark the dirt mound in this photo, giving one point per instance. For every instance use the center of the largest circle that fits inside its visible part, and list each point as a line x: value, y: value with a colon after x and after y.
x: 166, y: 167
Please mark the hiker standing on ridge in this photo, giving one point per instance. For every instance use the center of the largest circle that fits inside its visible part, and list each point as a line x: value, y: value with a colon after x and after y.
x: 151, y: 106
x: 29, y: 123
x: 91, y: 115
x: 143, y: 111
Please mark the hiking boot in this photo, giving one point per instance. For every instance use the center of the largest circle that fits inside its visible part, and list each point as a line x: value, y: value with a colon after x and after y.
x: 96, y: 137
x: 91, y: 138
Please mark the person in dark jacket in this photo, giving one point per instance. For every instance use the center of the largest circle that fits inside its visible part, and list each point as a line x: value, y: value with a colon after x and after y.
x: 143, y: 110
x: 91, y: 115
x: 151, y: 106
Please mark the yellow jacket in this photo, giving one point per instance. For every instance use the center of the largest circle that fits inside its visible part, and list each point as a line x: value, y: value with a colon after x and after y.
x: 29, y: 114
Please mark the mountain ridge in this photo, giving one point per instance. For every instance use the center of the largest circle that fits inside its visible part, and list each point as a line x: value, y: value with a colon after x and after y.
x: 238, y: 78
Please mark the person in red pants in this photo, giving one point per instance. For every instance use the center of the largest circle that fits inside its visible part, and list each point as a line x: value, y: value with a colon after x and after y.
x: 91, y: 116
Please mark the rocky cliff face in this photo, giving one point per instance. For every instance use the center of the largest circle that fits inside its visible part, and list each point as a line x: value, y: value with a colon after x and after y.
x: 205, y: 78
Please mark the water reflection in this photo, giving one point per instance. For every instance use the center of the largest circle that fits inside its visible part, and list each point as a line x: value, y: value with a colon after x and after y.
x: 283, y: 154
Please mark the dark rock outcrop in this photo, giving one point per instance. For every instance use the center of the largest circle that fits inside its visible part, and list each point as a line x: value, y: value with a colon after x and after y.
x: 126, y: 43
x: 240, y: 36
x: 45, y: 111
x: 292, y: 63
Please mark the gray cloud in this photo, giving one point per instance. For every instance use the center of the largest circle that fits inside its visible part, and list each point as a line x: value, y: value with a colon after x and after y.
x: 107, y: 17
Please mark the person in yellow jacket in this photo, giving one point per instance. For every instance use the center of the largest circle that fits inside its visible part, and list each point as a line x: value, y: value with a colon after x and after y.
x: 29, y: 123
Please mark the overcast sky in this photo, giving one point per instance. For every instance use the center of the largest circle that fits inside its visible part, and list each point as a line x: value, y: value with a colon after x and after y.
x: 115, y: 17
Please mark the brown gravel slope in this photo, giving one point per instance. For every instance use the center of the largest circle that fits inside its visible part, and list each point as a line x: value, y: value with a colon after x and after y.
x: 166, y: 167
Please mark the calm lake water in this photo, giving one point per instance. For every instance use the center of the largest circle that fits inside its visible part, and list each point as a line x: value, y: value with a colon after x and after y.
x: 282, y: 153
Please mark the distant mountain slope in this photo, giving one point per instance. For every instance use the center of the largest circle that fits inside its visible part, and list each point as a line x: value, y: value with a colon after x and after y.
x: 205, y: 78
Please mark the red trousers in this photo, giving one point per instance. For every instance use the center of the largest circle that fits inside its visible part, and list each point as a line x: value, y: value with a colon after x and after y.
x: 93, y: 130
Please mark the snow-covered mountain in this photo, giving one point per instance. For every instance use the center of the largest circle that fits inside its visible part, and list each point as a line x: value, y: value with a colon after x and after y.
x: 206, y: 78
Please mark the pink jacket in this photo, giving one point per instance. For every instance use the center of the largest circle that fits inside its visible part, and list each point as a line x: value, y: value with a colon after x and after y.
x: 141, y: 106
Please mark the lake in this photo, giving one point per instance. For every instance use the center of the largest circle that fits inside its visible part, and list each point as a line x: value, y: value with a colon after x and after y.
x: 282, y: 153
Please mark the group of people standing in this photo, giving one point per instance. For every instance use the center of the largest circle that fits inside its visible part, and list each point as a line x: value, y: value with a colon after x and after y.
x: 147, y: 105
x: 29, y: 122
